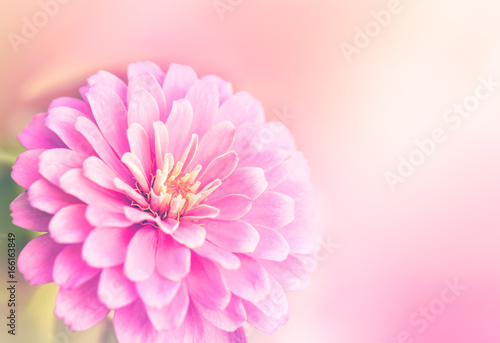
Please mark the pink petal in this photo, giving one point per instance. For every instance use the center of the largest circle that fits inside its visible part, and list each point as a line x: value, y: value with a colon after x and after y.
x: 131, y: 192
x: 232, y: 207
x: 272, y: 245
x: 193, y: 327
x: 206, y: 284
x: 293, y: 273
x: 26, y: 216
x: 139, y: 144
x: 167, y: 225
x: 83, y: 91
x: 111, y: 81
x: 46, y: 197
x: 189, y: 234
x: 217, y: 141
x: 221, y: 336
x: 301, y: 170
x: 140, y: 259
x: 271, y: 209
x: 270, y: 313
x: 36, y: 260
x: 250, y: 281
x: 172, y: 315
x: 147, y: 82
x: 132, y: 325
x: 220, y: 256
x: 80, y: 308
x: 266, y: 159
x: 283, y: 137
x: 62, y: 121
x: 38, y: 136
x: 144, y: 110
x: 190, y: 151
x: 106, y: 246
x: 137, y: 170
x: 265, y: 136
x: 156, y: 291
x: 173, y: 260
x: 249, y: 181
x: 240, y: 108
x: 295, y: 232
x: 229, y: 319
x: 204, y: 99
x: 303, y: 192
x: 69, y: 225
x: 235, y: 236
x: 225, y: 88
x: 178, y: 124
x: 25, y: 171
x: 73, y: 103
x: 135, y: 215
x: 202, y: 212
x: 70, y: 271
x: 99, y: 172
x: 279, y: 173
x: 262, y: 321
x: 161, y: 142
x: 75, y: 183
x: 145, y: 67
x: 114, y: 289
x: 220, y: 168
x: 178, y: 81
x: 111, y: 116
x: 55, y: 162
x: 98, y: 215
x: 90, y: 131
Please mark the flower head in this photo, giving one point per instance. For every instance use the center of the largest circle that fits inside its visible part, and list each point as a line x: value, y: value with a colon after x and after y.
x: 163, y: 202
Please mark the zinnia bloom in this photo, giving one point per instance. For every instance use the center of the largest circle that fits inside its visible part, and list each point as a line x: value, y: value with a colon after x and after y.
x: 160, y: 201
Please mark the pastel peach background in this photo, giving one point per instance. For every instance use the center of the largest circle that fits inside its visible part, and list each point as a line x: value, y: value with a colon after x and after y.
x: 385, y: 253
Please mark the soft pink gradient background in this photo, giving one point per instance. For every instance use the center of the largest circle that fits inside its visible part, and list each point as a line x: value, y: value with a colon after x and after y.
x: 390, y: 252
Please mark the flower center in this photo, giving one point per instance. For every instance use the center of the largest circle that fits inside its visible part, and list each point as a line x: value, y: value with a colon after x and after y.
x: 176, y: 187
x: 172, y: 192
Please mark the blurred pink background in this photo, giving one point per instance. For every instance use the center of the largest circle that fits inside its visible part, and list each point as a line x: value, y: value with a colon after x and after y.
x: 387, y: 254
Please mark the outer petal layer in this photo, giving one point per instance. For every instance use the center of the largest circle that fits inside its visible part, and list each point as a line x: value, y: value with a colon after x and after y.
x: 36, y: 260
x: 80, y: 308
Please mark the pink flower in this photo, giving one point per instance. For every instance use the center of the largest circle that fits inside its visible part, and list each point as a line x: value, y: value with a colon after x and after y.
x: 169, y: 200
